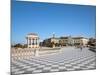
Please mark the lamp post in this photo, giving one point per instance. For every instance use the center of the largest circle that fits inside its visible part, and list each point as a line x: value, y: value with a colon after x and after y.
x: 53, y: 42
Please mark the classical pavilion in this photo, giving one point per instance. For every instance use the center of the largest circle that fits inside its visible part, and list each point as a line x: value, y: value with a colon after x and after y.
x: 32, y: 40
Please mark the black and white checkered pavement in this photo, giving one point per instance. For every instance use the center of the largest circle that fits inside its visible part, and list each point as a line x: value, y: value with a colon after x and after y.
x: 67, y: 60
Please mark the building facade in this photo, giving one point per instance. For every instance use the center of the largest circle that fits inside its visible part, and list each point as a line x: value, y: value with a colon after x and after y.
x: 65, y: 41
x: 80, y: 41
x: 50, y: 42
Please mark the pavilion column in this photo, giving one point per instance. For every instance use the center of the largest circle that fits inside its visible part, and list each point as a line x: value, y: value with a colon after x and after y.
x: 31, y: 42
x: 27, y: 42
x: 34, y: 42
x: 37, y: 42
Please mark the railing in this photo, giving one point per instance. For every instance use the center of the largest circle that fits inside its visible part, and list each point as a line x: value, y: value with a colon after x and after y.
x: 30, y: 52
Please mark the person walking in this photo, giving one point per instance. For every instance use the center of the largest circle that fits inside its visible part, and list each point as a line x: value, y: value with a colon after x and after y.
x: 81, y: 47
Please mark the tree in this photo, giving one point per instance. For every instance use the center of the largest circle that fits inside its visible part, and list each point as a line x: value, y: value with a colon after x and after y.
x: 18, y: 45
x: 25, y: 46
x: 92, y: 42
x: 53, y: 44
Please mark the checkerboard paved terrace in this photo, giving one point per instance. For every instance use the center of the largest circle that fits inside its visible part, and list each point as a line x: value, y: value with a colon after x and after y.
x: 66, y: 59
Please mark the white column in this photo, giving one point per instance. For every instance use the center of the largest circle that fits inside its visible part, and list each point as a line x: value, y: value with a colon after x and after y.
x: 27, y: 42
x: 35, y: 42
x: 38, y: 41
x: 31, y: 42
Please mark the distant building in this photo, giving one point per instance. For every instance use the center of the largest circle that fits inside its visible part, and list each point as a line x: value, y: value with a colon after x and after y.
x: 65, y: 41
x: 61, y: 41
x: 50, y: 41
x: 32, y: 40
x: 80, y: 41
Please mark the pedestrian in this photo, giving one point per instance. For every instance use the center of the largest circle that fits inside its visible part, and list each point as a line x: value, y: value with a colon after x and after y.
x: 81, y: 48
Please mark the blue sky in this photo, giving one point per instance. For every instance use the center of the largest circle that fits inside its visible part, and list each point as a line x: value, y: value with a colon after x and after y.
x: 48, y: 18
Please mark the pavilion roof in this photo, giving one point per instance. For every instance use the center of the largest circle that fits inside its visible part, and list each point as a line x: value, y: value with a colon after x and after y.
x: 32, y: 34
